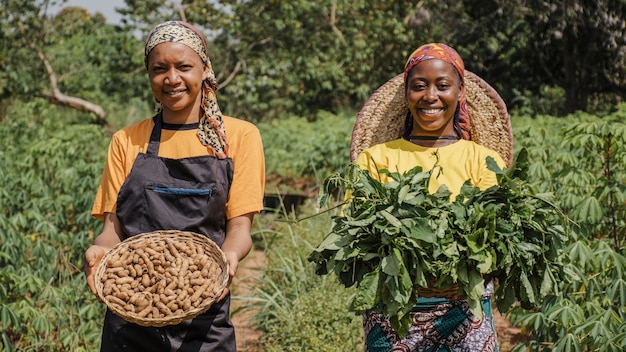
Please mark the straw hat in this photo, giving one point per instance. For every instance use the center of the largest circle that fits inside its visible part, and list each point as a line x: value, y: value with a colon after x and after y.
x: 382, y: 117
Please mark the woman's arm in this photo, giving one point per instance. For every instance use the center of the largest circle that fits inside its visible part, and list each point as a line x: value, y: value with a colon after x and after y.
x: 237, y: 244
x: 111, y: 235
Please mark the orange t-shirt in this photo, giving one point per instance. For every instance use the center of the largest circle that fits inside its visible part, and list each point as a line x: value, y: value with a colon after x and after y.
x: 245, y: 149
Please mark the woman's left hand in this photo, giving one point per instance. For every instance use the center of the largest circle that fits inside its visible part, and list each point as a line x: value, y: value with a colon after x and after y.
x: 237, y: 245
x: 233, y: 262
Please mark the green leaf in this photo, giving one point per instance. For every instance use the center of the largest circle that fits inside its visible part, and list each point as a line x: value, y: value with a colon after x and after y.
x: 589, y: 210
x: 475, y: 290
x: 329, y: 242
x: 485, y: 261
x: 566, y: 314
x: 493, y: 165
x: 548, y: 284
x: 392, y: 264
x: 569, y: 343
x: 393, y: 221
x: 593, y: 326
x: 8, y: 317
x: 399, y: 288
x: 366, y: 296
x: 422, y: 231
x: 362, y: 222
x: 617, y: 292
x: 402, y: 194
x: 6, y: 342
x: 527, y: 290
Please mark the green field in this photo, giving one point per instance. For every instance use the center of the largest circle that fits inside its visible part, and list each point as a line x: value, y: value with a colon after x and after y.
x: 51, y: 163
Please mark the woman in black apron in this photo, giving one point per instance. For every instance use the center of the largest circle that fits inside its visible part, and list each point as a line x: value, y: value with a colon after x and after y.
x: 185, y: 193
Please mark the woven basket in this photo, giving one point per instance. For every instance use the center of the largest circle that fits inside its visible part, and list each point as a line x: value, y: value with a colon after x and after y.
x: 382, y: 116
x: 161, y: 278
x: 450, y: 293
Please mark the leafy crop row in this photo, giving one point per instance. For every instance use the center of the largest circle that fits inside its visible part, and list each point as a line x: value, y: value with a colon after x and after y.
x: 297, y: 149
x: 50, y: 168
x: 582, y: 160
x: 51, y: 161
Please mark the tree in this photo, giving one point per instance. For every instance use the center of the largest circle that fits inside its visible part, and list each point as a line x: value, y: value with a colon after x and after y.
x: 276, y: 58
x: 73, y: 59
x: 580, y: 45
x: 529, y: 45
x: 302, y: 56
x: 297, y: 57
x: 30, y: 28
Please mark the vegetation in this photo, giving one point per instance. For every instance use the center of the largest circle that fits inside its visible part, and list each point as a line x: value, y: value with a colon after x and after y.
x: 585, y: 168
x: 276, y: 59
x: 587, y: 313
x: 300, y: 70
x: 297, y: 309
x: 51, y: 164
x: 395, y: 236
x: 315, y: 150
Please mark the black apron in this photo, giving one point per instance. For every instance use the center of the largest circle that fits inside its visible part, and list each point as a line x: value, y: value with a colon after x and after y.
x: 186, y: 194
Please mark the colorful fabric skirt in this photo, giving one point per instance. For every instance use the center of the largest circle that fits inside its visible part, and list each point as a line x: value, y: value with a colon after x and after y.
x: 438, y: 325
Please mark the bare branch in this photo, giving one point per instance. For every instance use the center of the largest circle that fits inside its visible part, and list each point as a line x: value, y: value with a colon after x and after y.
x: 333, y: 24
x: 181, y: 10
x: 240, y: 64
x: 57, y: 96
x: 231, y: 76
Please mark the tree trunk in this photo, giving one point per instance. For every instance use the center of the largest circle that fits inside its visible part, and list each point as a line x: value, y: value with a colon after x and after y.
x: 574, y: 78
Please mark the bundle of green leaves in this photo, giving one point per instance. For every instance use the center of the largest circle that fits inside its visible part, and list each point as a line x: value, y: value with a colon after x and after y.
x: 394, y: 237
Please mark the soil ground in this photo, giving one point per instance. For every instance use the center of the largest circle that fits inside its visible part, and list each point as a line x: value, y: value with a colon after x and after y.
x: 248, y: 337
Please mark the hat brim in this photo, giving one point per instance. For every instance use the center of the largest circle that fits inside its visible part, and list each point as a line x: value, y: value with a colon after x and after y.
x: 382, y: 117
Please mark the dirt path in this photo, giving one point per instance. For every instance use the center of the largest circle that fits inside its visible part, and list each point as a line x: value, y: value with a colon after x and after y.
x: 248, y: 338
x: 508, y: 335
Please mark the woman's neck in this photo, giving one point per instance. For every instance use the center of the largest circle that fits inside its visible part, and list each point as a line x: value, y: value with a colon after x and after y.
x: 433, y: 141
x: 181, y: 117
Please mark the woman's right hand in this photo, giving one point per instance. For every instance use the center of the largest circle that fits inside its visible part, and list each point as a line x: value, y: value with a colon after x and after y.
x: 93, y: 256
x: 110, y: 236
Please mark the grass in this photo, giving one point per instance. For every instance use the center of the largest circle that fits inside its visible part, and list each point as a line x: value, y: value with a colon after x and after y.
x: 298, y: 310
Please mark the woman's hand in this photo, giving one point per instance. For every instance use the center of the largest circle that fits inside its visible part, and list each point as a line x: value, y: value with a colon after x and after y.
x: 110, y: 236
x: 233, y: 262
x: 236, y: 246
x: 93, y: 256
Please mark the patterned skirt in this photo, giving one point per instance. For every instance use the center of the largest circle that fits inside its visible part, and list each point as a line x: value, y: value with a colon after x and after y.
x: 438, y: 325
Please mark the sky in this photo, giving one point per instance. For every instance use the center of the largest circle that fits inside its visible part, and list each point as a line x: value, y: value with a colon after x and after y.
x: 105, y: 7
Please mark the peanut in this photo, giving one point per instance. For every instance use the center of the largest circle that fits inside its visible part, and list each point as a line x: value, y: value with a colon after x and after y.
x: 158, y: 278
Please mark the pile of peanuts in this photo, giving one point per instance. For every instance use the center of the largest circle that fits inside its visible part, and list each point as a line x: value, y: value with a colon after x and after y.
x: 160, y: 278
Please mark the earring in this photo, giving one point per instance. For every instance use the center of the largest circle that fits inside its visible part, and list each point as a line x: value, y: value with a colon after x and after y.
x: 158, y: 107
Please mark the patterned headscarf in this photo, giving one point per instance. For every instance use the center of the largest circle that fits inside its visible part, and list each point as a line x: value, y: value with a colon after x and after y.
x: 211, y: 127
x: 442, y: 52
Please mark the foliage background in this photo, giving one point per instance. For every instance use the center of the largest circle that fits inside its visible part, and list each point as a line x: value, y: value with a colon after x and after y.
x: 301, y: 70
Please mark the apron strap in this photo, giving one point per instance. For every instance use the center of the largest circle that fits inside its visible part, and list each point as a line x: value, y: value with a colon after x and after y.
x: 155, y: 136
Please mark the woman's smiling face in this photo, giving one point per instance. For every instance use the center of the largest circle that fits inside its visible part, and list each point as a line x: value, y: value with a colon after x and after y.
x: 433, y: 91
x: 176, y: 73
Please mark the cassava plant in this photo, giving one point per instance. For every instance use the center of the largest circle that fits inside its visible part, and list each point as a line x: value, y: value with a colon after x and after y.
x: 584, y: 164
x: 50, y: 166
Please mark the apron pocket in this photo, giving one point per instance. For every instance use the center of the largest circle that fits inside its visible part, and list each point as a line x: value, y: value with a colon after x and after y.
x: 180, y: 207
x: 181, y: 191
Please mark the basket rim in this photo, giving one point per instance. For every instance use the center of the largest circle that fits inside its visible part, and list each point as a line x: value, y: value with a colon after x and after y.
x: 215, y: 253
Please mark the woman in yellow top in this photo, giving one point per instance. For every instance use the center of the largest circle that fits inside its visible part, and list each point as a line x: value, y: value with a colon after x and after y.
x: 436, y: 132
x: 187, y: 168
